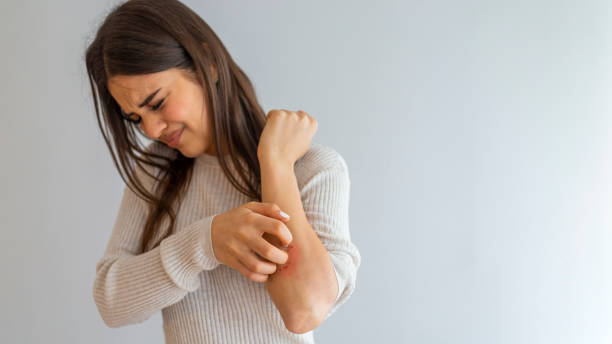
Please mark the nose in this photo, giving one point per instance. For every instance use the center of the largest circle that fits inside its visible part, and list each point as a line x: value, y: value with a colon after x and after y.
x: 152, y: 126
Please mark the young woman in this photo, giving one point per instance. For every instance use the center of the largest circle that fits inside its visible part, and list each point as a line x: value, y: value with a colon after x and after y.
x: 232, y: 223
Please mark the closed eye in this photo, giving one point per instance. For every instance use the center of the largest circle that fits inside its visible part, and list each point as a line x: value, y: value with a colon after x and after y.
x: 139, y: 119
x: 155, y: 107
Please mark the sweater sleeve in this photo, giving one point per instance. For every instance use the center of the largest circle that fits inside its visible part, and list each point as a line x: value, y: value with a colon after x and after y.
x: 131, y: 285
x: 325, y: 198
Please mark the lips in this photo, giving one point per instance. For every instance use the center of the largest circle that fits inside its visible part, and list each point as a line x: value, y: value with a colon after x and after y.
x: 173, y: 136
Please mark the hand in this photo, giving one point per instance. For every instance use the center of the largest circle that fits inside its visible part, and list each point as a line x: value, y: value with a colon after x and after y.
x: 286, y: 136
x: 237, y: 239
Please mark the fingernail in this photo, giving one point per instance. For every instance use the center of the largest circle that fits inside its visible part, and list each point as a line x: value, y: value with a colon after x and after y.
x: 283, y: 214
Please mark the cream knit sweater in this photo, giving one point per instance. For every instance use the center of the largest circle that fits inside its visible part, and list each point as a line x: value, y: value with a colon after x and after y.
x: 201, y: 300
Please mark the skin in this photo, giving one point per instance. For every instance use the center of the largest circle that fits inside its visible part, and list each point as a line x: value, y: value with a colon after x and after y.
x: 287, y: 268
x: 305, y: 289
x: 184, y: 105
x: 301, y: 283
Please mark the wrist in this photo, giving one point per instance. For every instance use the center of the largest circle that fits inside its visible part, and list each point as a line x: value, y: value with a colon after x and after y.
x: 269, y: 163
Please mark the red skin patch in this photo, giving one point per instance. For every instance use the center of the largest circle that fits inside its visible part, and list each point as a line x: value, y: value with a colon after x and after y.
x: 292, y: 251
x: 289, y: 267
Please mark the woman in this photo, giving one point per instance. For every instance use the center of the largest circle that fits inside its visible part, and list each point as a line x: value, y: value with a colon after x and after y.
x: 232, y: 223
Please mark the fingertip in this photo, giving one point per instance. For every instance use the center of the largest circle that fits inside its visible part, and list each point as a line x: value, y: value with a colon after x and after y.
x: 261, y: 278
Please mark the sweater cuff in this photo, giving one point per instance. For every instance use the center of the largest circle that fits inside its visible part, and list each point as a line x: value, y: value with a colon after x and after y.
x: 187, y: 253
x: 345, y: 275
x: 341, y: 281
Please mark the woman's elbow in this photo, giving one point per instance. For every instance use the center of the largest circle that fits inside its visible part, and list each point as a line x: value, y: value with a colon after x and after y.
x: 105, y: 307
x: 303, y: 325
x: 113, y: 320
x: 307, y: 321
x: 106, y: 314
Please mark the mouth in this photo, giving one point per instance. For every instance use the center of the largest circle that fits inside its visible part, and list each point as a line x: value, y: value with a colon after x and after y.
x: 173, y: 138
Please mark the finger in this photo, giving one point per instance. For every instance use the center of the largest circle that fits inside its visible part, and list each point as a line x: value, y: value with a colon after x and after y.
x: 268, y: 209
x: 270, y: 252
x: 257, y: 264
x: 252, y: 271
x: 275, y: 228
x: 308, y: 115
x: 253, y: 276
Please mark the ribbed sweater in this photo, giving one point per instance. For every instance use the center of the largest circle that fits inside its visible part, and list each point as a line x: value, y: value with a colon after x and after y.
x: 202, y: 300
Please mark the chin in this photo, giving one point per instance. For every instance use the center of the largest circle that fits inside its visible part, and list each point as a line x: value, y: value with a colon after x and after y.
x: 186, y: 151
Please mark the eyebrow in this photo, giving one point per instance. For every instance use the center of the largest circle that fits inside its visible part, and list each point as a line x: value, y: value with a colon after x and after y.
x: 147, y: 100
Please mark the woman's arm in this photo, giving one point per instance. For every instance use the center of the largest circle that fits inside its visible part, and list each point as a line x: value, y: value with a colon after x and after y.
x: 130, y: 285
x: 305, y: 288
x: 322, y: 266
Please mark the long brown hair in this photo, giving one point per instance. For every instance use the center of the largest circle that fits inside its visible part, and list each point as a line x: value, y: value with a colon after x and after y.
x: 149, y: 36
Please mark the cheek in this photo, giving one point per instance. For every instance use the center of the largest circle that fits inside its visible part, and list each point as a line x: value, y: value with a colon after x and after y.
x: 177, y: 113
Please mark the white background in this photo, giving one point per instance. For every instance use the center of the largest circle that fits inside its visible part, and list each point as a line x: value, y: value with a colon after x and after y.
x: 477, y: 135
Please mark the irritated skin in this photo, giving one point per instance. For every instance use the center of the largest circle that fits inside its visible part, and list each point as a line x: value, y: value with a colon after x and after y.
x: 287, y: 268
x: 304, y: 288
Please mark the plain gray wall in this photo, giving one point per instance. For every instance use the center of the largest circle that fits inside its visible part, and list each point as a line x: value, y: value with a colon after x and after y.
x: 477, y: 135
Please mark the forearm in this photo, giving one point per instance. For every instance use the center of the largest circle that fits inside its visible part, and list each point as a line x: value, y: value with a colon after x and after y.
x: 305, y: 287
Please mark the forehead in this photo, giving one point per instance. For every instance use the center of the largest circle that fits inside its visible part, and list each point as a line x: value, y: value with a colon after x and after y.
x: 130, y: 90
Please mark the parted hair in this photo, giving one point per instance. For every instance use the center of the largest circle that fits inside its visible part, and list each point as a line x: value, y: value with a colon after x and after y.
x: 148, y: 36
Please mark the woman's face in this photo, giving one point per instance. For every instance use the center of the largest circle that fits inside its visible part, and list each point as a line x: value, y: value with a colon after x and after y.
x: 177, y: 103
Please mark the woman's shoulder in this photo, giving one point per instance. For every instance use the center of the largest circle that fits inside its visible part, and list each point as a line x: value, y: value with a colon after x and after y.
x: 317, y: 159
